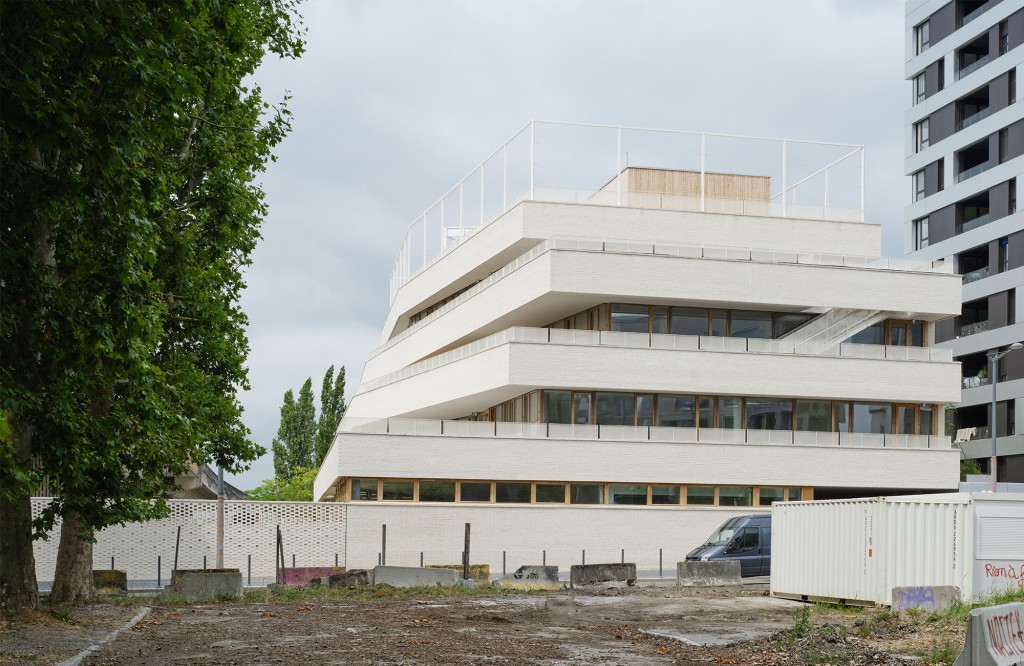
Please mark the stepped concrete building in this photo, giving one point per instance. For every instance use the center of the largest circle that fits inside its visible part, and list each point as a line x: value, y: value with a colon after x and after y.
x: 605, y: 341
x: 965, y: 158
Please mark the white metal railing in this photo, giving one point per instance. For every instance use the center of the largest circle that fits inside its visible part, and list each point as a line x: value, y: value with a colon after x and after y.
x: 581, y: 163
x: 674, y: 250
x: 439, y: 428
x: 664, y: 341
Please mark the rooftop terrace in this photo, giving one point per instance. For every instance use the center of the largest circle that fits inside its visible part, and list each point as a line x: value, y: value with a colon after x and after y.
x: 610, y: 165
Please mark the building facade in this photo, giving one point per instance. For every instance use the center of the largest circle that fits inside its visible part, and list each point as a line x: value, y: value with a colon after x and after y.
x: 619, y: 358
x: 965, y: 157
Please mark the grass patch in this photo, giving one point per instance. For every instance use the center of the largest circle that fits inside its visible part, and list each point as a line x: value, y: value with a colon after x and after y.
x: 945, y: 652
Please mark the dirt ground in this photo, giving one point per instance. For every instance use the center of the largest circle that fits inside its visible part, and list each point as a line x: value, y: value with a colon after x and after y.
x: 634, y: 626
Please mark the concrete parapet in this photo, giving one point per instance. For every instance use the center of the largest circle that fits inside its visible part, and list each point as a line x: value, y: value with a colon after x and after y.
x: 530, y: 577
x: 925, y: 597
x: 602, y: 574
x: 702, y: 574
x: 110, y: 581
x: 413, y: 576
x: 995, y: 637
x: 206, y: 584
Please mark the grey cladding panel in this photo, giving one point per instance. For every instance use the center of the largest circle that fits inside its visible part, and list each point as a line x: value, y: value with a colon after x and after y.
x: 942, y: 123
x: 931, y: 178
x: 931, y: 78
x: 999, y: 201
x: 942, y: 23
x: 999, y: 93
x: 1015, y: 29
x: 942, y: 224
x: 997, y: 310
x: 1017, y: 255
x: 944, y: 330
x: 1015, y: 140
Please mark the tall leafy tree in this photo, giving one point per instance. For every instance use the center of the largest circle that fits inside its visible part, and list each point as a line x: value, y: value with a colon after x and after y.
x: 332, y: 406
x: 129, y: 150
x: 286, y: 434
x: 305, y: 428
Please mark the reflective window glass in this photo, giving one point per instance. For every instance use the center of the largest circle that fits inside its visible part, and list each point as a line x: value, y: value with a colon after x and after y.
x: 689, y: 321
x: 665, y: 495
x: 437, y: 491
x: 619, y: 493
x: 659, y: 319
x: 586, y: 493
x: 474, y: 492
x: 512, y: 493
x: 718, y: 322
x: 533, y: 412
x: 916, y: 334
x: 613, y: 408
x: 364, y: 490
x: 706, y: 411
x: 750, y: 324
x: 735, y: 496
x: 788, y: 321
x: 551, y: 492
x: 764, y: 414
x: 926, y: 420
x: 813, y: 415
x: 700, y: 495
x: 872, y: 417
x: 730, y: 413
x: 872, y: 335
x: 398, y: 490
x: 765, y: 496
x: 581, y: 408
x: 557, y: 406
x: 645, y: 410
x: 842, y: 415
x: 630, y: 318
x: 677, y: 411
x: 795, y: 494
x: 905, y: 417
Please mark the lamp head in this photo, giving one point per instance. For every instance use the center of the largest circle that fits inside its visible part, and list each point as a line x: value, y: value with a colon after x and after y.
x: 1015, y: 346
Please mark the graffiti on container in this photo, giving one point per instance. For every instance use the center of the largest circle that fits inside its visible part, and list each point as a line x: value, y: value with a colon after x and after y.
x: 916, y: 597
x: 1005, y: 634
x: 1008, y: 573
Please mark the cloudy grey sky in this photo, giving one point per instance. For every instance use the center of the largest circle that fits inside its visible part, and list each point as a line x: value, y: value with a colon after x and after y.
x: 396, y: 100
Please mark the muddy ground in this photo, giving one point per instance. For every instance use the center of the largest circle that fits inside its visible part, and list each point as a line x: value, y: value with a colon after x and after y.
x: 636, y: 626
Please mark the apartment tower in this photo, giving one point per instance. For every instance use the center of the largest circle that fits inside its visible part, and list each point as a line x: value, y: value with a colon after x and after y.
x: 965, y: 157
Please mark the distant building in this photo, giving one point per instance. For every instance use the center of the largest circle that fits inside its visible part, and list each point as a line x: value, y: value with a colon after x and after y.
x: 965, y: 157
x: 586, y: 352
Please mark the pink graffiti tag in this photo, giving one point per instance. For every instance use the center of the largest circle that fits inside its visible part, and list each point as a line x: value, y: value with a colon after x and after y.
x: 1006, y: 634
x: 1008, y: 572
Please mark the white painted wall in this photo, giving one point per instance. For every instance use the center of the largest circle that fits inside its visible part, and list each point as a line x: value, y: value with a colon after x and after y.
x: 525, y: 532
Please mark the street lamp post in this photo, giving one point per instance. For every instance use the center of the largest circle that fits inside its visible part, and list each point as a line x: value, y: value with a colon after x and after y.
x: 993, y: 361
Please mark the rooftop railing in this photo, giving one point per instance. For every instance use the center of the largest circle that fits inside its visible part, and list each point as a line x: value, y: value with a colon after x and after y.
x: 660, y: 341
x: 439, y: 428
x: 672, y: 250
x: 582, y: 164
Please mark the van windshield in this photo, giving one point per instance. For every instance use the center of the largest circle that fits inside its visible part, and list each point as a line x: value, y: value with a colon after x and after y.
x: 721, y: 537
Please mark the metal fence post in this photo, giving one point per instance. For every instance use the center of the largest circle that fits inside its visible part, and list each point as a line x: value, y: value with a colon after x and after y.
x: 584, y: 556
x: 158, y: 571
x: 502, y: 563
x: 250, y: 570
x: 660, y: 575
x: 111, y: 562
x: 544, y: 559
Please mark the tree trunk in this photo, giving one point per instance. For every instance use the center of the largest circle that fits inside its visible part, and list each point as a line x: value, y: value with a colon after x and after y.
x: 18, y: 588
x: 72, y: 582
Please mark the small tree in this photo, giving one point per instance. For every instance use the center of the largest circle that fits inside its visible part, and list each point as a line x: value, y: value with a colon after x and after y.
x: 332, y: 406
x: 299, y: 488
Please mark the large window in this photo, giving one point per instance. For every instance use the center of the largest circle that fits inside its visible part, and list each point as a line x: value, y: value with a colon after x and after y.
x: 645, y: 410
x: 766, y: 414
x: 872, y: 417
x: 814, y: 415
x: 735, y: 496
x: 920, y: 92
x: 619, y: 493
x: 472, y: 491
x: 586, y: 493
x: 398, y: 490
x: 922, y: 38
x: 630, y: 318
x: 511, y: 493
x: 921, y: 135
x: 677, y: 411
x: 613, y: 408
x: 751, y: 324
x: 921, y: 233
x: 665, y: 495
x: 700, y: 495
x: 730, y: 413
x: 557, y: 407
x: 437, y: 491
x: 689, y: 321
x: 580, y: 408
x: 918, y: 178
x: 766, y: 496
x: 364, y: 490
x: 551, y: 492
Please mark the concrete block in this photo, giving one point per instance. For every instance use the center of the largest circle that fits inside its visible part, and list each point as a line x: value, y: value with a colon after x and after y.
x: 481, y: 572
x: 301, y: 576
x: 700, y: 574
x: 530, y: 577
x: 995, y: 637
x: 414, y: 576
x: 925, y: 597
x: 599, y: 574
x: 206, y: 584
x: 349, y: 578
x: 110, y: 581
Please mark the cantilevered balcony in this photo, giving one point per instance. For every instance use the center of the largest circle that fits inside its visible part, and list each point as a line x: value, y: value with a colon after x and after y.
x: 973, y: 264
x: 972, y: 56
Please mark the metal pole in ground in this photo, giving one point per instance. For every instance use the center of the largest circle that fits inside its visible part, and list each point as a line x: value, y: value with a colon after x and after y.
x: 383, y: 545
x: 177, y: 545
x: 465, y: 564
x: 659, y: 563
x: 158, y: 571
x: 220, y: 518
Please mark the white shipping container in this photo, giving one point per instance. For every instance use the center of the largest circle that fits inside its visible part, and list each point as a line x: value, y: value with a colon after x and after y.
x: 856, y: 551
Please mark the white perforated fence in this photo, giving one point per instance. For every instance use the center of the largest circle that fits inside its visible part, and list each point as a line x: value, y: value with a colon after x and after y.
x: 313, y: 535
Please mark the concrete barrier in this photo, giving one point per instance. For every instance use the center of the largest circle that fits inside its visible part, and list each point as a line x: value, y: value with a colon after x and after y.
x: 925, y: 597
x: 581, y: 575
x: 530, y: 577
x: 110, y: 581
x: 413, y: 576
x: 995, y: 637
x: 701, y: 574
x: 301, y: 576
x: 351, y: 578
x: 479, y: 572
x: 206, y: 584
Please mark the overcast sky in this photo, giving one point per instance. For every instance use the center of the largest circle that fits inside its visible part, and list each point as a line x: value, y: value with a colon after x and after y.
x: 395, y: 101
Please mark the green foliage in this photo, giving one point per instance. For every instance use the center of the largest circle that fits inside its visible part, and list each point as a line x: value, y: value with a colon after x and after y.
x: 945, y: 652
x: 129, y: 149
x: 969, y: 466
x: 299, y: 488
x: 332, y: 406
